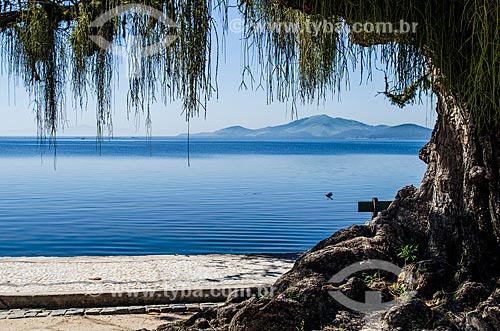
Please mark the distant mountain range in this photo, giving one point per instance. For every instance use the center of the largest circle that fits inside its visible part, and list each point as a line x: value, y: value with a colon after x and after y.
x: 323, y: 127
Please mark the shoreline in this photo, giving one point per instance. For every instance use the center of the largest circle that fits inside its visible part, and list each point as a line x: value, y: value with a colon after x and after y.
x: 153, y: 256
x: 103, y: 281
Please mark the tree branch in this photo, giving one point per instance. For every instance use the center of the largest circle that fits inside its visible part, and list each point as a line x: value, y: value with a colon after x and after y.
x: 9, y: 18
x: 65, y: 12
x: 349, y: 11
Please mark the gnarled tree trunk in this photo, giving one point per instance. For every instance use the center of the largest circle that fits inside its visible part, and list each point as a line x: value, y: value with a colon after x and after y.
x: 462, y: 187
x: 453, y: 216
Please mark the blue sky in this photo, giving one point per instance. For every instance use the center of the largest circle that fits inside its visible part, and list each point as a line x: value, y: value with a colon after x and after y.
x: 234, y: 107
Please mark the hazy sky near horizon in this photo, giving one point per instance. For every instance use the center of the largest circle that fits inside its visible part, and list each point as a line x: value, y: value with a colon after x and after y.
x: 233, y: 107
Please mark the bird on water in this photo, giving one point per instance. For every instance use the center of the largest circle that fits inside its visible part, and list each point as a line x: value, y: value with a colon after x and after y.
x: 329, y: 195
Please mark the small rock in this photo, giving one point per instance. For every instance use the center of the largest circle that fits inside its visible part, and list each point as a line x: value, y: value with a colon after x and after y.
x: 16, y: 315
x: 121, y: 310
x: 408, y: 315
x: 74, y: 312
x: 137, y: 310
x: 93, y: 311
x: 30, y: 314
x: 59, y: 312
x: 165, y: 309
x: 153, y: 310
x: 43, y: 314
x: 108, y: 311
x: 34, y: 311
x: 191, y: 307
x: 178, y: 308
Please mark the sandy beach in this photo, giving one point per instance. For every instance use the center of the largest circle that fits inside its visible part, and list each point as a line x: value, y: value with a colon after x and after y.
x: 90, y: 323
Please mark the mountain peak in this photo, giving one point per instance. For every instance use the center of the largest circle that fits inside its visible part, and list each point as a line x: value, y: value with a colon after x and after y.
x: 324, y: 127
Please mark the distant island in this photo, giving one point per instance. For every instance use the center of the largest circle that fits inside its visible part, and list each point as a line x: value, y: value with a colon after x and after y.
x: 323, y: 127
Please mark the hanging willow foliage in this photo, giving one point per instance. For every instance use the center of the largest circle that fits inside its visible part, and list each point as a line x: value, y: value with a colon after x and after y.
x: 46, y: 42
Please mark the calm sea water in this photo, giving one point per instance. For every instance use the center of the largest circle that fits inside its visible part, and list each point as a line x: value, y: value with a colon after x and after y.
x: 134, y: 197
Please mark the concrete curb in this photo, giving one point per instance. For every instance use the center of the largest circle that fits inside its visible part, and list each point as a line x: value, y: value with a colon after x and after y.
x: 131, y: 298
x: 132, y: 310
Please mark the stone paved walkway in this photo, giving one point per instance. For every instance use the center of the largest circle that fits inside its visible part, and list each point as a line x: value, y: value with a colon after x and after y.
x: 132, y: 310
x: 91, y: 279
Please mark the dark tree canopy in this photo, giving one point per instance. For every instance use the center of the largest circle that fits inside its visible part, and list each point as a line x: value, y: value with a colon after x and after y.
x: 44, y: 43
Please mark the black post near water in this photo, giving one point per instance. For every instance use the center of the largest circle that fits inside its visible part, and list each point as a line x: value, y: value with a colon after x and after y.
x: 375, y: 206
